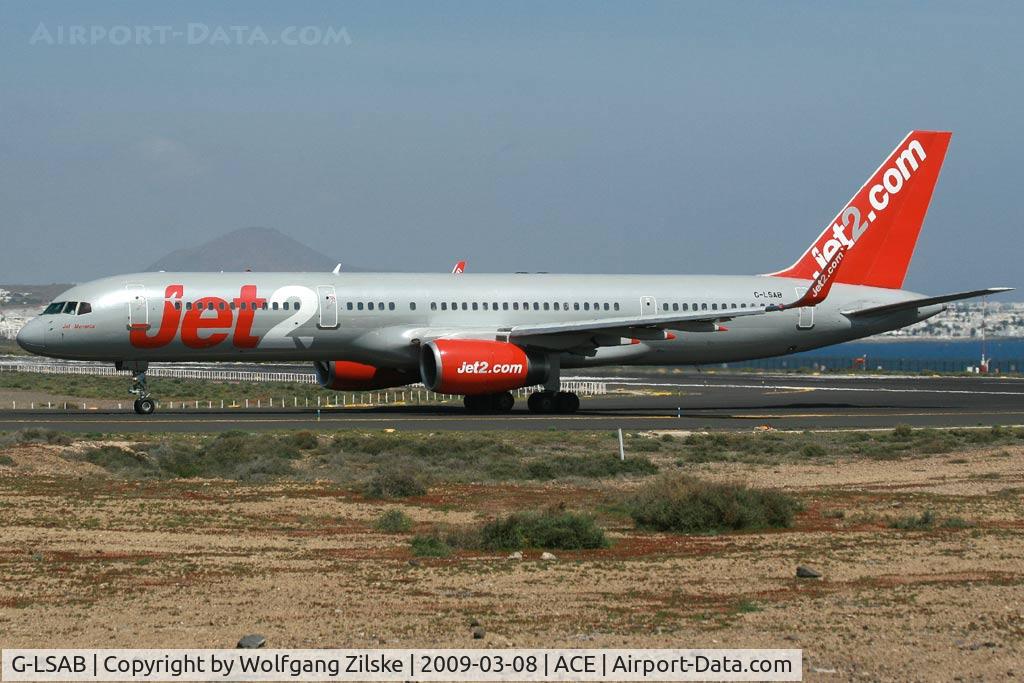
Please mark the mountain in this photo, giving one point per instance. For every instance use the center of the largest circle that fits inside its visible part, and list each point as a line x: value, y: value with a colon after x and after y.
x: 258, y: 249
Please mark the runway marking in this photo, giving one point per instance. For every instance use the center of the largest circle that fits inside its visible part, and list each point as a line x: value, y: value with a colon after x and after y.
x: 799, y: 388
x: 484, y: 418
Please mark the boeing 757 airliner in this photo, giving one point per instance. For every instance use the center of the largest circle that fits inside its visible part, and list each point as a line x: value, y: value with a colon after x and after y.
x: 483, y: 336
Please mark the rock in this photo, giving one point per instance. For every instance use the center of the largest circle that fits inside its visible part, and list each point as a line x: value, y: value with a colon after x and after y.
x: 252, y: 641
x: 548, y: 557
x: 807, y: 573
x: 478, y: 632
x: 414, y: 563
x: 516, y: 556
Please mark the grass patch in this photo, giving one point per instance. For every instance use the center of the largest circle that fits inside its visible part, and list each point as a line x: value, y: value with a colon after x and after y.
x: 927, y: 521
x: 239, y: 456
x: 430, y: 545
x: 353, y: 456
x: 394, y: 521
x: 685, y: 504
x: 6, y: 460
x: 553, y: 529
x: 921, y: 522
x: 29, y: 436
x: 395, y: 482
x: 549, y: 530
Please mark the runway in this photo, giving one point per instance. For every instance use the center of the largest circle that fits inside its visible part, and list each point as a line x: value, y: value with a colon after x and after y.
x: 692, y: 402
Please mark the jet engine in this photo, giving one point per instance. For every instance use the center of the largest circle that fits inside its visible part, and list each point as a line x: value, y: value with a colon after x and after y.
x: 473, y: 366
x: 344, y: 375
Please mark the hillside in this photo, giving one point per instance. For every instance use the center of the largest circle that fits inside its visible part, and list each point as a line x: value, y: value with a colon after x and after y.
x: 258, y: 249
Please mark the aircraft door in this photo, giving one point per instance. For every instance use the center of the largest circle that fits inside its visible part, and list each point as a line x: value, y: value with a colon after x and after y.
x: 328, y: 307
x: 805, y: 321
x: 648, y: 306
x: 138, y: 308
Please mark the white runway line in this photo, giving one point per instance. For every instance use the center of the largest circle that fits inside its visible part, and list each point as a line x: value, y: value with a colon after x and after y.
x: 793, y: 387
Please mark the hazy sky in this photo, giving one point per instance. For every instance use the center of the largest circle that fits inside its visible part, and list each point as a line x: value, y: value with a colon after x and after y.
x: 681, y: 137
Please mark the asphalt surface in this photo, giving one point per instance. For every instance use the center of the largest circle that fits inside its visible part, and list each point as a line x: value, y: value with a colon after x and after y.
x: 718, y: 402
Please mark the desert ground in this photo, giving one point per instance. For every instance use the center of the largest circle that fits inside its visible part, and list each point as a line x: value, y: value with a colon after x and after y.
x: 921, y: 555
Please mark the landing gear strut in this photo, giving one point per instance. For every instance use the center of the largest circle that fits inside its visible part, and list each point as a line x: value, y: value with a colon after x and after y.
x: 490, y: 403
x: 552, y: 399
x: 144, y: 404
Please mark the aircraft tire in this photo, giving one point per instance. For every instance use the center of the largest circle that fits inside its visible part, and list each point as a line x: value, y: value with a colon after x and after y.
x: 542, y: 402
x: 567, y: 402
x: 145, y: 406
x: 504, y: 402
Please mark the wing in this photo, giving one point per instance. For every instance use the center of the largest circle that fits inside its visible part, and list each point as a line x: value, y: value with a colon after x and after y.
x: 919, y: 303
x: 697, y: 321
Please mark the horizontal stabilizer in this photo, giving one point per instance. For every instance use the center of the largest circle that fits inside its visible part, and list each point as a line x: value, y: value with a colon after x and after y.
x: 920, y: 303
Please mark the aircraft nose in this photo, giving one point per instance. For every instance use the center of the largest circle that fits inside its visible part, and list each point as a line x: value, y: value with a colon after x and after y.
x: 30, y: 337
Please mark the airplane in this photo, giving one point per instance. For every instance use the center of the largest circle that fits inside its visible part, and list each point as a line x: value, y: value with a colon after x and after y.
x: 483, y: 336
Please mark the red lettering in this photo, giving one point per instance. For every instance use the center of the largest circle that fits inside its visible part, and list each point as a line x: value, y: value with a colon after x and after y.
x: 246, y: 304
x: 194, y: 322
x: 139, y: 337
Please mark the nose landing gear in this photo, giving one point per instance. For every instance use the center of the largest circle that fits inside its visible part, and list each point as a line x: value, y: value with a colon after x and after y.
x: 144, y: 404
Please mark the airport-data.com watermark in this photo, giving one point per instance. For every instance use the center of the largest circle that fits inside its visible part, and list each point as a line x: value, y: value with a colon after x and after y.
x: 193, y: 33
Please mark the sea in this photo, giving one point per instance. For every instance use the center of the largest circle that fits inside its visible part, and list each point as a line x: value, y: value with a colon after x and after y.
x: 908, y: 355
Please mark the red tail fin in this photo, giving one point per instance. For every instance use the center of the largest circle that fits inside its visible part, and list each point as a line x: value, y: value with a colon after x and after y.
x: 878, y: 228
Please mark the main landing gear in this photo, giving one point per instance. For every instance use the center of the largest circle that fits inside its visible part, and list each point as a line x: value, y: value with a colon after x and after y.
x: 553, y: 402
x: 490, y: 403
x: 144, y: 403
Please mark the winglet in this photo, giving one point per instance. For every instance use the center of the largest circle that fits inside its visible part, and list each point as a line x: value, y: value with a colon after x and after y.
x: 337, y: 269
x: 819, y: 289
x: 460, y: 267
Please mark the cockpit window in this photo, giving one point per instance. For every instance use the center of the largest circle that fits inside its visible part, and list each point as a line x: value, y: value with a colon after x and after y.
x: 70, y: 307
x: 84, y: 308
x: 54, y: 308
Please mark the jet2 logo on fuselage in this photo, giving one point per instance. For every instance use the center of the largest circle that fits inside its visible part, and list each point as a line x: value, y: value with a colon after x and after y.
x: 208, y: 322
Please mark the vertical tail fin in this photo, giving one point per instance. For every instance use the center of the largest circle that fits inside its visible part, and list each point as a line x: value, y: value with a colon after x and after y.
x: 878, y: 228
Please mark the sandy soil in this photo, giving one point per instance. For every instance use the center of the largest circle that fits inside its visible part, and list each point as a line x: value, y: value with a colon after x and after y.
x: 88, y: 560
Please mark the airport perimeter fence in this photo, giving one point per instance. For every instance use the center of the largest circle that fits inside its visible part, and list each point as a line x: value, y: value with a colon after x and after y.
x: 845, y: 363
x: 415, y: 394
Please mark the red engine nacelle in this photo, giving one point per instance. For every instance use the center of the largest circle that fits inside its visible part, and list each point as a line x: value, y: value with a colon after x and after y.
x: 344, y: 375
x: 473, y: 366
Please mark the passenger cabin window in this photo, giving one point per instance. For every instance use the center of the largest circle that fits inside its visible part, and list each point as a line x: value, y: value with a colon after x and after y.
x: 616, y: 306
x: 349, y: 305
x: 285, y: 305
x: 412, y: 305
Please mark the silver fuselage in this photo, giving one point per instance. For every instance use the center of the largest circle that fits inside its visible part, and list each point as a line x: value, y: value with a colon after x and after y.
x: 334, y: 319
